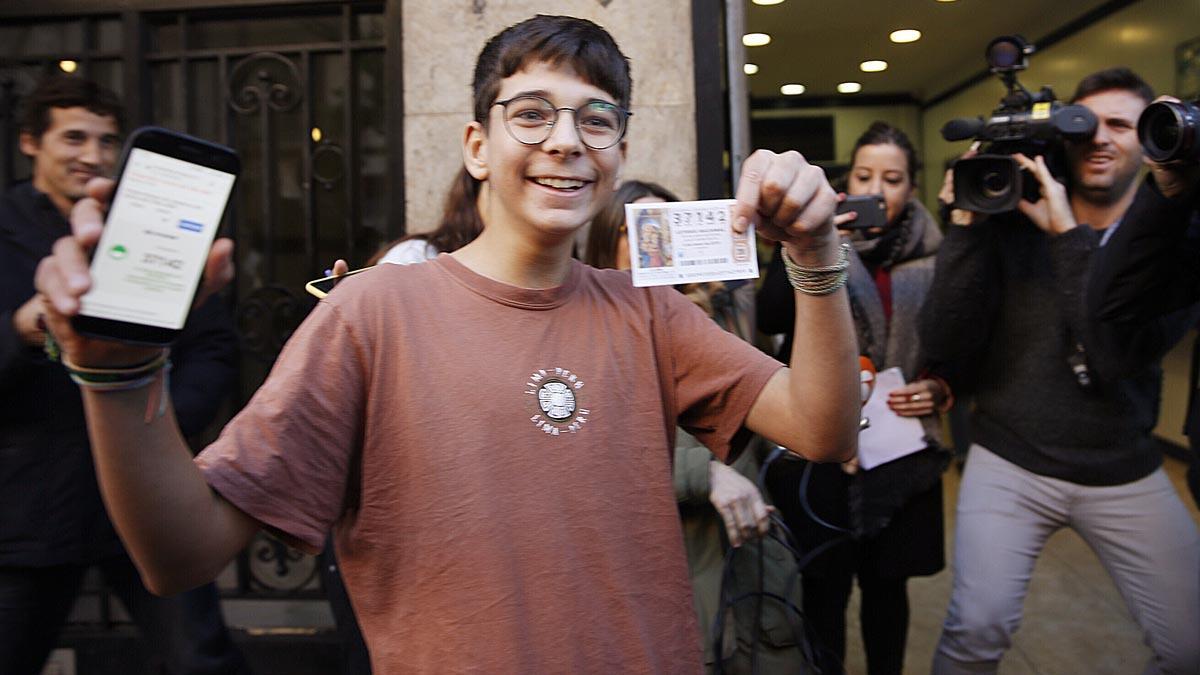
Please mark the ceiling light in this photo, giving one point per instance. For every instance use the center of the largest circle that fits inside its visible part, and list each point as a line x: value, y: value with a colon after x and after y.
x: 68, y: 66
x: 776, y: 2
x: 905, y: 35
x: 945, y: 0
x: 755, y: 39
x: 750, y: 68
x: 792, y: 89
x: 849, y: 88
x: 873, y: 66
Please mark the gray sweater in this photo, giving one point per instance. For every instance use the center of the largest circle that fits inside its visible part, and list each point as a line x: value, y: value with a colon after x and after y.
x: 1005, y: 314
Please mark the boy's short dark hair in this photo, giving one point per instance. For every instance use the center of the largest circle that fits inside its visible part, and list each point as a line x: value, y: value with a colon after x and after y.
x: 68, y: 91
x: 583, y: 45
x: 1120, y: 78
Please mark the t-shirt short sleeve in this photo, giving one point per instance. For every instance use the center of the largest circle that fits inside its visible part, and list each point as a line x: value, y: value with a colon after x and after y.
x: 285, y: 458
x: 717, y: 375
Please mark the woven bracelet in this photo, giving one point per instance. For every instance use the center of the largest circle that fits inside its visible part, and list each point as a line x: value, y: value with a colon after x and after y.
x: 818, y: 280
x: 116, y: 379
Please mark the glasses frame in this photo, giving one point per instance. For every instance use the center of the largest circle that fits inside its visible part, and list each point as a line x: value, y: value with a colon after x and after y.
x: 624, y: 118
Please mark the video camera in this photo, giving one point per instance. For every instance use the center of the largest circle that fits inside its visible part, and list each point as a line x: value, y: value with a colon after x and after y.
x: 1032, y: 124
x: 1167, y: 130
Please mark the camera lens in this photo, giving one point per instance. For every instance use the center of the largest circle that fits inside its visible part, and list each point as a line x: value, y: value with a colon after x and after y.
x: 1167, y: 131
x: 1004, y: 55
x: 994, y: 184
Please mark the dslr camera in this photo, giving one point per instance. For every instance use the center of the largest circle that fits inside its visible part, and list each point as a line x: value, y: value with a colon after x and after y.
x: 1032, y: 124
x: 1167, y: 130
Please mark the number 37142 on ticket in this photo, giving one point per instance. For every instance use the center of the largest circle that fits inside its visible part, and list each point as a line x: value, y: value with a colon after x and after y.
x: 687, y: 242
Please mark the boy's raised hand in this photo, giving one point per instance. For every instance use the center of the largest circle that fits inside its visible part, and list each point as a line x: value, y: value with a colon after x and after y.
x: 788, y: 200
x: 64, y: 276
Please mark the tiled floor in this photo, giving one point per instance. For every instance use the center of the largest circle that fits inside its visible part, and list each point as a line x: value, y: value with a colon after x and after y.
x: 1075, y: 621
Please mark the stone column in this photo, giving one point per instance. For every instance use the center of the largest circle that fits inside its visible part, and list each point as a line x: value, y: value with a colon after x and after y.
x: 442, y: 38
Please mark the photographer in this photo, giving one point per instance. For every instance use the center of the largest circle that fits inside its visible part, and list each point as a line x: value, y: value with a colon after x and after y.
x: 1148, y: 269
x: 1064, y: 406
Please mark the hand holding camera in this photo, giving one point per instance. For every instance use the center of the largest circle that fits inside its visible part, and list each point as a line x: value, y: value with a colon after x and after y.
x: 1052, y: 213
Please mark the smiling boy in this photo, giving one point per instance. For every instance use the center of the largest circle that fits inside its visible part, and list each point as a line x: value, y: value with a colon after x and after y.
x: 490, y: 440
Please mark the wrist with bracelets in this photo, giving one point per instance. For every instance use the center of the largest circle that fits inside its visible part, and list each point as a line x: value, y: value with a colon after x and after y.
x: 823, y: 280
x: 117, y: 379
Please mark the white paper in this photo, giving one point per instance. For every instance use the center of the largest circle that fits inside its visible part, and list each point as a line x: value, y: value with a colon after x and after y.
x: 890, y: 436
x: 688, y: 242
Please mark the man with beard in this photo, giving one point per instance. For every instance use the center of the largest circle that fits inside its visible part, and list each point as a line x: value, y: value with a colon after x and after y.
x: 1064, y: 405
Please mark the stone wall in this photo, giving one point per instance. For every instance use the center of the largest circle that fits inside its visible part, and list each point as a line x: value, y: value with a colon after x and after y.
x: 442, y: 38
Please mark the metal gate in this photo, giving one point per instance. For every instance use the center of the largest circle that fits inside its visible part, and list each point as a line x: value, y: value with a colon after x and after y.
x: 309, y: 95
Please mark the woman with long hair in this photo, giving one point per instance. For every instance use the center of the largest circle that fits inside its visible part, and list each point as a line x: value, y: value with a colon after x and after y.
x: 891, y: 516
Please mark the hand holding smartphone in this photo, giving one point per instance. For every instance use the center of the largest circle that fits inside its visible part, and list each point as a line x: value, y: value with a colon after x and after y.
x: 170, y: 196
x: 871, y: 210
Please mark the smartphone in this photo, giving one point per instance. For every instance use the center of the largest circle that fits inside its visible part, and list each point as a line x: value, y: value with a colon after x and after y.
x: 171, y: 194
x: 322, y: 287
x: 871, y: 210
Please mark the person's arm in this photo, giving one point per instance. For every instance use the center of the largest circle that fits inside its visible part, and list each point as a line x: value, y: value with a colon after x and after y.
x: 701, y: 479
x: 178, y: 531
x: 959, y: 312
x: 811, y: 408
x: 20, y: 340
x: 1149, y: 265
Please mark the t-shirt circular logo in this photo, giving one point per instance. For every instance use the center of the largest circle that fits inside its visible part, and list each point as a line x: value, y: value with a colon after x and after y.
x: 558, y: 399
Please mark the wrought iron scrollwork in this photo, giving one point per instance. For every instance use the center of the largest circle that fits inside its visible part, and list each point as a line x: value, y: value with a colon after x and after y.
x: 255, y: 83
x: 277, y: 567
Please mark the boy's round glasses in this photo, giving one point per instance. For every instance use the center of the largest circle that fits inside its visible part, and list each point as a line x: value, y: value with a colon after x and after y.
x: 530, y: 119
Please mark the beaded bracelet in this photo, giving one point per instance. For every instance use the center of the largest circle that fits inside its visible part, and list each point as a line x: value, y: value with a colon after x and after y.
x: 819, y: 280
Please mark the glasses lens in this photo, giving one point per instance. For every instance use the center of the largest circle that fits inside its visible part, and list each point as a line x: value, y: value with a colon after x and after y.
x: 600, y: 124
x: 529, y: 118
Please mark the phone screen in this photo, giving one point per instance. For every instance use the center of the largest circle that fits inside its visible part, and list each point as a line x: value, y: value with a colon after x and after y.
x: 156, y: 239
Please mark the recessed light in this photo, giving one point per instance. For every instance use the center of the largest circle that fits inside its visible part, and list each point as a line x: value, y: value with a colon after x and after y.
x: 792, y: 89
x: 68, y: 66
x: 750, y: 68
x: 873, y: 66
x: 849, y: 88
x: 755, y: 39
x: 905, y: 35
x: 776, y: 2
x: 945, y: 0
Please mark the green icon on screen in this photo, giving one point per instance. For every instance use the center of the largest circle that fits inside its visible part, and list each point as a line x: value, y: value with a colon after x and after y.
x: 118, y: 252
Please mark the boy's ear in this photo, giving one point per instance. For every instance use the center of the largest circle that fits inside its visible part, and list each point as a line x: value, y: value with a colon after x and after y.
x: 475, y: 146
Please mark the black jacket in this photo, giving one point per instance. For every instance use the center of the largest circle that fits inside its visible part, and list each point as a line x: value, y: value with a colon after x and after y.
x: 1005, y: 315
x: 50, y: 508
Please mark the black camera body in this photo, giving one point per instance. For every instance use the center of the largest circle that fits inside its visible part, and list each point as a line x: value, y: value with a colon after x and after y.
x: 1031, y: 124
x: 1168, y: 131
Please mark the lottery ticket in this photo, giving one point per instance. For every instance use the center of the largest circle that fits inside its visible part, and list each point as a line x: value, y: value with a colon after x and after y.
x: 688, y: 242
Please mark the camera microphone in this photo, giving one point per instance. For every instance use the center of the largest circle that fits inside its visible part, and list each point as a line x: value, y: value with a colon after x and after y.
x: 962, y: 128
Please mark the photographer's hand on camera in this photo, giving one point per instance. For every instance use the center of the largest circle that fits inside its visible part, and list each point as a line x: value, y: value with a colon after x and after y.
x: 1052, y: 213
x: 64, y: 277
x: 959, y: 217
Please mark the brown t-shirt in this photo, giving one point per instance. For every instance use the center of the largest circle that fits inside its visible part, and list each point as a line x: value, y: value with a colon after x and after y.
x: 495, y: 461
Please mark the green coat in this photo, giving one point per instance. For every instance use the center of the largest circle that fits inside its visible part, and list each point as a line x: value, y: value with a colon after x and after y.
x: 706, y: 543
